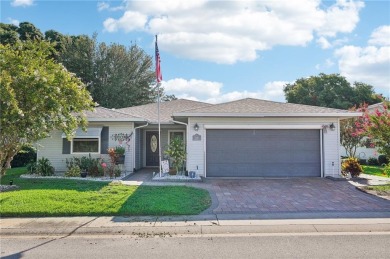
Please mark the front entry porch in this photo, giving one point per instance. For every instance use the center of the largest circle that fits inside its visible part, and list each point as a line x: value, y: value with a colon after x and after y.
x: 147, y: 144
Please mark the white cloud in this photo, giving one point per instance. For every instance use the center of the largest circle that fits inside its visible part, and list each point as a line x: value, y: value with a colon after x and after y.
x: 102, y: 6
x: 232, y: 31
x: 211, y: 92
x: 370, y: 64
x: 380, y: 36
x: 22, y: 3
x: 341, y: 17
x: 132, y: 20
x: 199, y: 89
x: 324, y: 43
x: 13, y: 21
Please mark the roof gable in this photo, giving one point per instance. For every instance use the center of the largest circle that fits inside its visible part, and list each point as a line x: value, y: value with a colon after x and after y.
x: 250, y: 107
x: 149, y: 111
x: 105, y: 114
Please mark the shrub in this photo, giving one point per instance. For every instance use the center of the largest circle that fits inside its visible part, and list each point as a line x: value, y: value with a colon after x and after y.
x: 24, y: 157
x: 118, y: 172
x: 351, y: 166
x: 101, y: 167
x: 70, y: 163
x: 382, y: 159
x: 120, y: 150
x: 85, y: 163
x: 32, y: 167
x: 363, y: 161
x: 386, y: 170
x: 73, y: 172
x: 44, y: 167
x: 373, y: 161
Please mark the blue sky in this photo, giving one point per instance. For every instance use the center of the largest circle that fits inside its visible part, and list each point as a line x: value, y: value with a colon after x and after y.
x: 217, y: 51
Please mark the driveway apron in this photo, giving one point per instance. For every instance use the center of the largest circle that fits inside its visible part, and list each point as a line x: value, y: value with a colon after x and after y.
x: 231, y: 196
x: 292, y: 195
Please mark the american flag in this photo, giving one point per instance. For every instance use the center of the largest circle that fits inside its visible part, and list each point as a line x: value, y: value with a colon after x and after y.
x: 158, y: 69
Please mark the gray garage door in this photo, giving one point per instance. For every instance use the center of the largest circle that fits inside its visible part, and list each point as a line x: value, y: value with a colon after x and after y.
x: 264, y: 153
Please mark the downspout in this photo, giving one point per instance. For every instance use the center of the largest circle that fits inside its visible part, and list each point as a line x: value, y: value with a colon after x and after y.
x: 135, y: 133
x: 185, y: 124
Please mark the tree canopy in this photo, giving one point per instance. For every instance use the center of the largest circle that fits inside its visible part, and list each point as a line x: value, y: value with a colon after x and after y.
x: 116, y: 76
x: 38, y: 95
x: 331, y: 90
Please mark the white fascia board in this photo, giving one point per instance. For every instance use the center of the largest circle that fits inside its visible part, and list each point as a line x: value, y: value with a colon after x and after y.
x: 214, y: 126
x: 260, y: 115
x: 115, y: 119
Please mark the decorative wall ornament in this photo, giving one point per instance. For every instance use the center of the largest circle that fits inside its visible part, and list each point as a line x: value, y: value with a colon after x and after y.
x: 120, y: 137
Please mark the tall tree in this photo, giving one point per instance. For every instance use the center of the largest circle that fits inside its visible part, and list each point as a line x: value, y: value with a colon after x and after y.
x: 38, y: 95
x: 58, y: 39
x: 116, y: 76
x: 332, y: 91
x: 27, y: 31
x: 123, y: 76
x: 8, y: 33
x: 77, y: 54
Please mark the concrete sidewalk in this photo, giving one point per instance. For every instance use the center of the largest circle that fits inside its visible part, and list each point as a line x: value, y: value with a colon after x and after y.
x: 186, y: 225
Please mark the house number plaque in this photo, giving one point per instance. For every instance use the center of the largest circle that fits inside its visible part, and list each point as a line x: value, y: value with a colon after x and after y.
x: 196, y: 137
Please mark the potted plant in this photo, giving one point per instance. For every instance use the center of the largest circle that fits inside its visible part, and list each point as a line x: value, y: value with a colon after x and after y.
x: 177, y: 153
x: 120, y: 152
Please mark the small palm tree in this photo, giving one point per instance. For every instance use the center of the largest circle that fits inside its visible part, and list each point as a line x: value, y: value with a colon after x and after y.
x: 177, y: 152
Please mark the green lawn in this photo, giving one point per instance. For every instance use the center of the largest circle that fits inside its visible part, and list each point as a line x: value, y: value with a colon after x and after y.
x: 380, y: 189
x: 63, y: 197
x: 373, y: 170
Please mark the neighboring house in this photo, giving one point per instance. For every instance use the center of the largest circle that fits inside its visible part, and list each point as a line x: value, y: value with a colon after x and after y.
x: 244, y: 138
x: 367, y: 151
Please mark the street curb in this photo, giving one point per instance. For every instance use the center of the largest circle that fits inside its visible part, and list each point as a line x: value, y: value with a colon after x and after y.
x: 167, y: 227
x: 200, y: 230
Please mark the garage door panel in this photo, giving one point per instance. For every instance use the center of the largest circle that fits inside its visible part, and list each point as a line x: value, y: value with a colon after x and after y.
x: 263, y: 153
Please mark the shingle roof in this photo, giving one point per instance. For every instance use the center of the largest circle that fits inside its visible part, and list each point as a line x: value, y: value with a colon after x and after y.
x: 149, y: 111
x: 250, y: 107
x: 377, y: 106
x: 105, y: 114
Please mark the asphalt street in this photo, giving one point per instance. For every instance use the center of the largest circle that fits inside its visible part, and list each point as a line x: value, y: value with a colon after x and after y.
x: 276, y: 245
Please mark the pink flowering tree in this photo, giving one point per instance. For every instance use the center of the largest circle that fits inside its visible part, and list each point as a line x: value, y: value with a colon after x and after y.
x: 350, y: 137
x: 376, y: 126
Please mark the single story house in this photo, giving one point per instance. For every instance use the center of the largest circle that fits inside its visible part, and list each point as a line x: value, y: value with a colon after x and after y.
x: 244, y: 138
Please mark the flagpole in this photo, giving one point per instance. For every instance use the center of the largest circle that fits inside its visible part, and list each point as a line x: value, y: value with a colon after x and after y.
x: 159, y: 78
x: 159, y: 126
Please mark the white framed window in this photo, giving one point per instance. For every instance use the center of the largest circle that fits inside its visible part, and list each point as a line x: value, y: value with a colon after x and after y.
x: 85, y: 142
x: 176, y: 133
x: 85, y: 145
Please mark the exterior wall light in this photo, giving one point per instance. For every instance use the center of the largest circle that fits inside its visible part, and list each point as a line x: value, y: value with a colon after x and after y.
x: 332, y: 126
x: 196, y: 127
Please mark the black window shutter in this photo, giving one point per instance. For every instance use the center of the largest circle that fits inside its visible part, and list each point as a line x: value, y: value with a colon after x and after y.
x: 65, y: 146
x: 104, y: 141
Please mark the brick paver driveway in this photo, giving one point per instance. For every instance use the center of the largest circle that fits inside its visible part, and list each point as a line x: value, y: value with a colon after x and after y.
x: 292, y: 195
